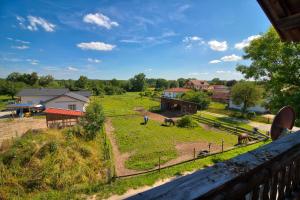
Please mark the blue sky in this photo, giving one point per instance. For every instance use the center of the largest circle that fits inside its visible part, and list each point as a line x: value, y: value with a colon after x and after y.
x: 106, y: 39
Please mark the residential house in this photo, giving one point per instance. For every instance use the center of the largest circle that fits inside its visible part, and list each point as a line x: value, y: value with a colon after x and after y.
x: 55, y: 98
x: 220, y: 93
x: 197, y: 85
x: 174, y: 92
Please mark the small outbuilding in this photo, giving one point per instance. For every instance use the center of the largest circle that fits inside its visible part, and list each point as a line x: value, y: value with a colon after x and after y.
x: 60, y: 118
x: 177, y: 105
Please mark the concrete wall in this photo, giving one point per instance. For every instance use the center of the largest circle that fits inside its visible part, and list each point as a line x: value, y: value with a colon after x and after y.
x: 35, y: 99
x: 257, y: 108
x: 64, y: 101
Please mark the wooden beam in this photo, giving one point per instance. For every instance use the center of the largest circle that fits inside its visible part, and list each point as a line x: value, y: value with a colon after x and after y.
x: 289, y: 22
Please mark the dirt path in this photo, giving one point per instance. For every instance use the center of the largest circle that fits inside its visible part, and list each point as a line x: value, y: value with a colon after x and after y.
x: 17, y: 127
x: 119, y: 158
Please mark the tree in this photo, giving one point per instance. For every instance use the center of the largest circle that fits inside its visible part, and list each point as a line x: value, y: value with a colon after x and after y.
x: 45, y: 80
x: 93, y: 120
x: 12, y: 88
x: 161, y: 84
x: 115, y: 82
x: 173, y: 84
x: 32, y: 78
x: 138, y: 83
x: 82, y: 82
x: 277, y: 65
x: 217, y: 81
x: 198, y: 97
x: 231, y: 83
x: 246, y: 94
x: 181, y: 82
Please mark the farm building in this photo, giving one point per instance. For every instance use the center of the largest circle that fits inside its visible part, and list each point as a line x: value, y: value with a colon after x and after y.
x: 55, y: 98
x: 176, y: 105
x: 220, y: 93
x: 60, y: 118
x: 197, y: 84
x: 174, y: 92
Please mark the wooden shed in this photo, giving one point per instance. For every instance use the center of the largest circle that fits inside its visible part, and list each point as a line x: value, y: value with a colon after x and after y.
x: 60, y: 118
x: 176, y: 105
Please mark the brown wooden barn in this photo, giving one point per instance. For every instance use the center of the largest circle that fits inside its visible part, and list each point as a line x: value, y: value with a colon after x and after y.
x: 60, y: 118
x: 176, y: 105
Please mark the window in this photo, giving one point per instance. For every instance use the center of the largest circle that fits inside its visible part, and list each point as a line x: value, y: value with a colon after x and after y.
x: 72, y: 107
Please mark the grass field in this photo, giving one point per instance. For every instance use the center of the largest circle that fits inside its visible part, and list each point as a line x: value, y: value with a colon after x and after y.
x: 125, y: 104
x: 3, y: 101
x: 220, y: 108
x: 146, y: 143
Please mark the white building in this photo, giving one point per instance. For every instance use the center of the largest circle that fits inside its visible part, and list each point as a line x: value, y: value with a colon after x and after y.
x: 256, y: 108
x: 55, y: 98
x: 174, y: 92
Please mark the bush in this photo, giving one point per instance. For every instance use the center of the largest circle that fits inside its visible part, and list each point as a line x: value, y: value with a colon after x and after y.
x: 197, y: 97
x: 251, y: 115
x: 93, y: 120
x: 48, y: 148
x: 186, y: 122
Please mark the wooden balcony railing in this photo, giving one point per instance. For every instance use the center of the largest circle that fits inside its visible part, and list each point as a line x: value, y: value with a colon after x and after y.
x: 270, y: 172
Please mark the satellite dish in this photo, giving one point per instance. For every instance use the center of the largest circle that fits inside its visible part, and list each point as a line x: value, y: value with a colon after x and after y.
x: 283, y: 120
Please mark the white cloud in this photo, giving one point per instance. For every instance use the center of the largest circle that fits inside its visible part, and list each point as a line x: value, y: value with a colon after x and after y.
x: 223, y: 72
x: 231, y: 58
x: 197, y: 73
x: 17, y: 40
x: 100, y: 20
x: 36, y: 22
x: 93, y: 60
x: 98, y: 46
x: 72, y: 69
x: 218, y: 46
x: 148, y: 70
x: 22, y: 47
x: 190, y: 41
x: 214, y: 61
x: 33, y: 61
x: 246, y: 42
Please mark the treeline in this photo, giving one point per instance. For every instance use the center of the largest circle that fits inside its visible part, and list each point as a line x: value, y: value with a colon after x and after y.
x: 139, y: 83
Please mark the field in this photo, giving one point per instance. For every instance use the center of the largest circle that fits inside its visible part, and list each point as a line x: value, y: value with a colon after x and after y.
x: 145, y: 143
x: 217, y: 107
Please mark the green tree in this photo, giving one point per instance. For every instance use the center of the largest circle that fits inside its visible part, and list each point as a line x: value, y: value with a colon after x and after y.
x: 161, y: 84
x: 198, y: 97
x: 246, y: 94
x: 12, y: 88
x: 173, y: 84
x: 45, y: 80
x: 93, y: 120
x: 277, y: 65
x: 138, y: 83
x: 82, y: 82
x: 181, y: 82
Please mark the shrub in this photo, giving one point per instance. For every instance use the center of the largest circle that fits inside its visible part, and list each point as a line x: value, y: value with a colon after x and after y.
x: 93, y: 120
x: 48, y: 148
x: 251, y: 115
x: 186, y: 122
x: 197, y: 97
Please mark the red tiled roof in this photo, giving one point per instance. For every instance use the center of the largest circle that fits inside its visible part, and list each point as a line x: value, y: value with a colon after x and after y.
x: 198, y: 82
x: 59, y: 111
x: 177, y: 90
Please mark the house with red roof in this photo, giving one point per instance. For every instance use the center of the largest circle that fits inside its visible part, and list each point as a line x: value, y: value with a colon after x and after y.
x: 197, y: 84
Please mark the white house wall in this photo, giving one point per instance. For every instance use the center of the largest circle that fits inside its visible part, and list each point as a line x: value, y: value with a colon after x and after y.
x: 35, y: 99
x: 172, y: 94
x: 257, y: 108
x: 64, y: 101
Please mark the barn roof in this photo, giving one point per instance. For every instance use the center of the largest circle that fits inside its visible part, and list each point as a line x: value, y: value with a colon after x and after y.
x: 71, y: 95
x: 85, y: 93
x: 43, y: 92
x: 59, y: 111
x: 285, y: 17
x: 198, y: 82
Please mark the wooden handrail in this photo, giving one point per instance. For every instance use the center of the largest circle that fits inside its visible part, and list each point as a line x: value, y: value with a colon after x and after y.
x: 265, y: 173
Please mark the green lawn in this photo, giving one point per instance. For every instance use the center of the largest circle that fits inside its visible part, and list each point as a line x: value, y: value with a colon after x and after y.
x: 126, y: 103
x: 3, y: 101
x: 226, y: 120
x: 220, y: 108
x: 147, y: 143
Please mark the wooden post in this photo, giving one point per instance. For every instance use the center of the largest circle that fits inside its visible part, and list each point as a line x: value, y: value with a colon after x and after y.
x: 194, y: 154
x: 159, y: 163
x: 209, y: 144
x: 222, y: 145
